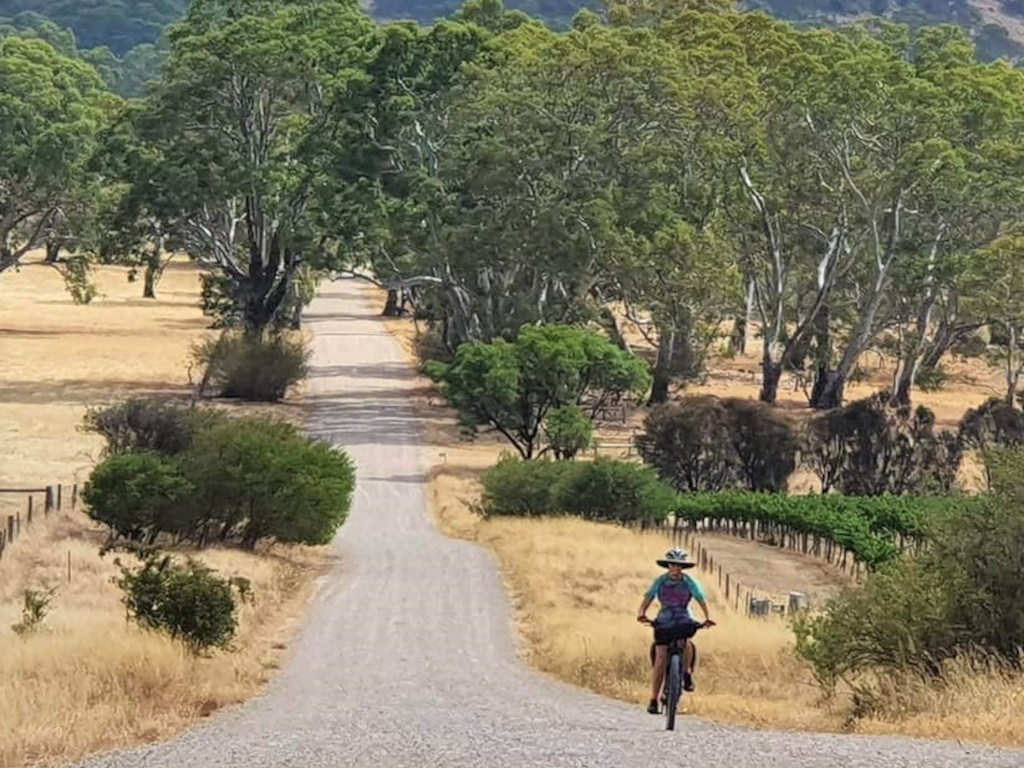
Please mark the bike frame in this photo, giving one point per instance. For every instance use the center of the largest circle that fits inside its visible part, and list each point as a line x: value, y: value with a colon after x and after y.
x: 672, y: 686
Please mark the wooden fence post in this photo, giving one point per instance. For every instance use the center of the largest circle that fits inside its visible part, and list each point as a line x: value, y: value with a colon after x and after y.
x: 727, y: 586
x: 28, y: 516
x: 10, y: 528
x: 74, y: 496
x: 60, y: 495
x: 49, y: 498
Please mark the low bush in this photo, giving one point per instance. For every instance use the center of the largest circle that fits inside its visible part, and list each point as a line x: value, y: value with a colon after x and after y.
x: 145, y: 424
x: 256, y: 478
x: 609, y: 490
x: 35, y: 606
x: 871, y: 448
x: 240, y: 480
x: 520, y: 488
x: 188, y: 601
x: 690, y: 445
x: 764, y: 443
x: 136, y: 494
x: 603, y: 489
x: 958, y: 597
x: 253, y: 368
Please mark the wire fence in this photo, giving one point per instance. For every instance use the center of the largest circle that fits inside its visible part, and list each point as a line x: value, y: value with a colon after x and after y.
x: 18, y: 515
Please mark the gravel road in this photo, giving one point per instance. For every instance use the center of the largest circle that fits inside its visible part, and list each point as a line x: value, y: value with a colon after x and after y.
x: 408, y: 659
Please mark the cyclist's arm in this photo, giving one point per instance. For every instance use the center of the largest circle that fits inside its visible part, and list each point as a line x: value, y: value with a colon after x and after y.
x: 648, y: 599
x: 704, y: 607
x: 642, y: 612
x: 699, y: 597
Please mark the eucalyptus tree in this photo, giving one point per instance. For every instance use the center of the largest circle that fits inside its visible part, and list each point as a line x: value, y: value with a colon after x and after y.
x: 51, y: 109
x: 259, y: 115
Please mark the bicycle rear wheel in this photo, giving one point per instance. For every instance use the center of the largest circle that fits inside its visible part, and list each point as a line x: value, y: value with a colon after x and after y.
x: 673, y: 689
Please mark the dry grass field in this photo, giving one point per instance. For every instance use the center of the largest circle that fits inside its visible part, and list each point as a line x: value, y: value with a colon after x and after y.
x: 90, y: 681
x: 576, y: 586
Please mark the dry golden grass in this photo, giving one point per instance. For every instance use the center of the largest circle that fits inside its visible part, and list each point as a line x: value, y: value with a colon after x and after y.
x: 91, y: 681
x: 576, y: 586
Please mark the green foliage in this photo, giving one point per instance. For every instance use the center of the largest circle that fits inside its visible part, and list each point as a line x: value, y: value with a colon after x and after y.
x: 188, y: 601
x: 256, y: 478
x: 615, y: 491
x: 519, y: 488
x: 568, y: 431
x: 136, y: 494
x: 704, y: 443
x: 52, y: 108
x: 116, y: 24
x: 899, y: 622
x: 230, y: 479
x: 141, y: 424
x: 35, y: 605
x: 960, y: 596
x: 260, y: 369
x: 602, y: 490
x: 867, y: 526
x: 513, y: 386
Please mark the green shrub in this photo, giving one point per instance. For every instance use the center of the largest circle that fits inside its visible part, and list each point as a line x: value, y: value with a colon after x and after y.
x: 610, y: 490
x: 521, y: 488
x: 959, y: 597
x: 257, y: 478
x: 144, y: 424
x: 136, y: 494
x: 568, y: 431
x: 899, y: 622
x: 188, y: 601
x: 253, y: 368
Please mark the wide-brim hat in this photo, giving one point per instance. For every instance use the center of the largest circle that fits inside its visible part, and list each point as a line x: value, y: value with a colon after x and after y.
x: 683, y: 561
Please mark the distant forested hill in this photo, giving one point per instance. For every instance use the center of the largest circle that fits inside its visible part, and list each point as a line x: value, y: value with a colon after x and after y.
x: 118, y: 24
x: 996, y: 25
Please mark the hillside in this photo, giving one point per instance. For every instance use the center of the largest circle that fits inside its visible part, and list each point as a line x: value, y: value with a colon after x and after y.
x: 996, y: 25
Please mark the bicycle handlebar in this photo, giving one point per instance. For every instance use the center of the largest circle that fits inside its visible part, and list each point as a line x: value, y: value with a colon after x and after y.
x: 702, y: 625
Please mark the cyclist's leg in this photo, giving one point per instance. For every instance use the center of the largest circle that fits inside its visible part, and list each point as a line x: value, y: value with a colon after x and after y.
x: 689, y: 658
x: 658, y: 678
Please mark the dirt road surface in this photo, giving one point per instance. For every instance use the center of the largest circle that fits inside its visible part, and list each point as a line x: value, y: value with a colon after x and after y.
x: 409, y: 659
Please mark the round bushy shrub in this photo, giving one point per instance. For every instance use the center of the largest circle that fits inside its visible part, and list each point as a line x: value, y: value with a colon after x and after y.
x: 521, y: 488
x: 621, y: 491
x: 258, y: 478
x: 188, y: 601
x: 259, y: 369
x: 136, y: 494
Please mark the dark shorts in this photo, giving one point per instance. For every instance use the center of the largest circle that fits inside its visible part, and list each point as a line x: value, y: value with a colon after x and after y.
x: 663, y: 635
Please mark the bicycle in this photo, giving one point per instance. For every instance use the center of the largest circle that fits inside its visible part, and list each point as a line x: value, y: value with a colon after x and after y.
x: 672, y: 688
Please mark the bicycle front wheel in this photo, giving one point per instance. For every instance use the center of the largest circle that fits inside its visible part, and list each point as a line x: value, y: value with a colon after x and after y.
x: 673, y: 690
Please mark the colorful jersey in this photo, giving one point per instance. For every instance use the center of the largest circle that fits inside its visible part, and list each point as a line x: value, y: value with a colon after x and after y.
x: 674, y: 597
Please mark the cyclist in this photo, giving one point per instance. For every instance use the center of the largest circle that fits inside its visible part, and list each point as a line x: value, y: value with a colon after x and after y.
x: 674, y: 591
